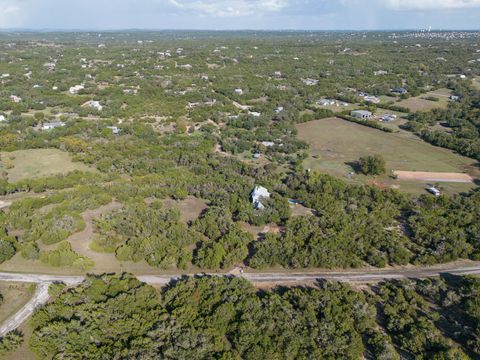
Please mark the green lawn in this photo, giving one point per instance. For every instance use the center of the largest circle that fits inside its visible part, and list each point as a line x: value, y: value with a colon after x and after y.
x: 335, y: 143
x: 35, y: 163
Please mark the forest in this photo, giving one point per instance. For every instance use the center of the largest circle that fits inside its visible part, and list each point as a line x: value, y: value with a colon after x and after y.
x: 116, y: 316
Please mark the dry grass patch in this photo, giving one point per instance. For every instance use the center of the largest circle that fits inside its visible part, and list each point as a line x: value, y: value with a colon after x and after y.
x: 35, y: 163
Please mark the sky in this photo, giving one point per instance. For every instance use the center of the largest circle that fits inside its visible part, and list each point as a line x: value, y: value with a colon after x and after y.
x: 240, y: 14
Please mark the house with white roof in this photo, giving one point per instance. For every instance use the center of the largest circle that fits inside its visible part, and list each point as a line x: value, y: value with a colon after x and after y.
x: 52, y: 125
x: 74, y: 90
x: 259, y: 193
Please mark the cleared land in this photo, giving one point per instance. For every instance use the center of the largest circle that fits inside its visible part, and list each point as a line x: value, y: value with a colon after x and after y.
x: 15, y: 296
x: 336, y: 144
x: 433, y: 176
x: 190, y: 208
x: 34, y: 163
x: 419, y: 103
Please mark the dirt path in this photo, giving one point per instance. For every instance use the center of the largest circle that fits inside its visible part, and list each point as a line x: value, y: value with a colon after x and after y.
x: 81, y: 241
x: 433, y: 176
x: 38, y: 299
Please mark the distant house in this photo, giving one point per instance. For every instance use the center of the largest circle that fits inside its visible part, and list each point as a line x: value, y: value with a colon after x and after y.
x: 256, y: 156
x: 399, y: 90
x: 94, y: 105
x: 238, y: 91
x: 388, y: 117
x: 463, y: 77
x: 15, y: 98
x: 310, y: 82
x: 372, y: 99
x: 52, y: 125
x: 433, y: 190
x: 115, y: 130
x: 254, y: 113
x: 258, y: 194
x: 326, y: 102
x: 361, y: 114
x: 268, y: 143
x: 454, y: 97
x: 279, y: 109
x: 75, y: 89
x: 380, y: 72
x: 2, y: 118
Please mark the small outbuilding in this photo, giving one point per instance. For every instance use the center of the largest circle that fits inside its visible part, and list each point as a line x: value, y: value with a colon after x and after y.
x: 361, y: 114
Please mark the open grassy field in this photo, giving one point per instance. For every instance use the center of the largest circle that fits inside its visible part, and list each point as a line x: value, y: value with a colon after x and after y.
x: 419, y: 103
x: 476, y: 83
x: 335, y: 144
x: 15, y: 296
x: 190, y: 208
x: 34, y: 163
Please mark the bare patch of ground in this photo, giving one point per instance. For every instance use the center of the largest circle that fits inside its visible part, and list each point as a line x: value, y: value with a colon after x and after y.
x: 433, y: 176
x: 190, y: 208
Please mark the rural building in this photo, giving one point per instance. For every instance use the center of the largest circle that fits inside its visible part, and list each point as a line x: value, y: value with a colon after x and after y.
x: 238, y: 91
x: 454, y: 98
x: 399, y: 90
x: 326, y: 102
x: 388, y: 117
x: 372, y: 99
x: 433, y: 190
x: 75, y: 89
x: 94, y: 105
x: 268, y: 143
x: 254, y: 113
x: 115, y: 130
x: 310, y: 82
x: 256, y: 156
x: 279, y: 109
x: 2, y: 118
x: 15, y: 98
x: 52, y: 125
x: 258, y: 194
x: 361, y: 114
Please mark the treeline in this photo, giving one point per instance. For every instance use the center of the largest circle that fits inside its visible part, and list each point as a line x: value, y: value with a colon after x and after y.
x: 111, y: 316
x: 462, y: 132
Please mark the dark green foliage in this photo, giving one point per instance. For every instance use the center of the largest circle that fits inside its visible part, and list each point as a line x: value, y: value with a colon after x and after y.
x: 204, y: 318
x: 140, y: 232
x: 372, y: 165
x: 225, y: 243
x: 10, y: 342
x: 106, y: 317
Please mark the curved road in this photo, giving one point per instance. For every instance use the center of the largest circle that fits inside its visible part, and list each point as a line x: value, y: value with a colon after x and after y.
x: 274, y: 278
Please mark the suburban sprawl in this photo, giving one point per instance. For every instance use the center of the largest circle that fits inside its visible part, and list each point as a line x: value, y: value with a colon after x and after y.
x: 240, y: 195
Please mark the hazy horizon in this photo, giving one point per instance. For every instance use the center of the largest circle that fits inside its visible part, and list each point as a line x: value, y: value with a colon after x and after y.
x: 219, y: 15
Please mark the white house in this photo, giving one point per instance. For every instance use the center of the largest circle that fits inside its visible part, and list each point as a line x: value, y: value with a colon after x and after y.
x: 361, y: 114
x: 254, y: 113
x: 15, y: 98
x: 372, y: 99
x: 94, y: 105
x: 238, y: 91
x: 52, y: 125
x: 310, y: 82
x: 2, y: 118
x: 326, y: 102
x: 75, y: 89
x: 115, y: 130
x: 258, y: 194
x: 268, y: 143
x: 433, y: 190
x: 279, y: 109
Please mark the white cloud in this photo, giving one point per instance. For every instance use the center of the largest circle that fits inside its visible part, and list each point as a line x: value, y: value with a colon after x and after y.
x: 10, y: 14
x: 431, y: 4
x: 226, y: 8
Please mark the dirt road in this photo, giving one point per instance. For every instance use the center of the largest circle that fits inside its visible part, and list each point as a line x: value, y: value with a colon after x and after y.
x: 433, y: 176
x: 38, y: 299
x: 271, y: 278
